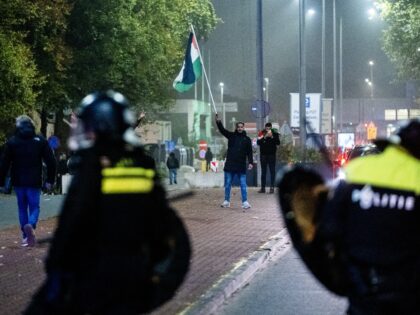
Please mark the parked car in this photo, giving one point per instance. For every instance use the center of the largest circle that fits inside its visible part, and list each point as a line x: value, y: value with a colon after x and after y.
x: 362, y: 150
x: 355, y: 152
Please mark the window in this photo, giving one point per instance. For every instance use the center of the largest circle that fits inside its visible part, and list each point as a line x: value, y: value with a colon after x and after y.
x: 414, y: 113
x: 390, y: 114
x: 402, y: 114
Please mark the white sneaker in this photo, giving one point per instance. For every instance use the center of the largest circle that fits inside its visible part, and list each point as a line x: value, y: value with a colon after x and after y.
x: 30, y: 235
x: 246, y: 205
x: 24, y: 242
x: 225, y: 204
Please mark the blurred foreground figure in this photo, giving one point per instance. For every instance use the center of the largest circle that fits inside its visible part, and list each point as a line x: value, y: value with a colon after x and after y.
x: 362, y: 239
x: 118, y: 248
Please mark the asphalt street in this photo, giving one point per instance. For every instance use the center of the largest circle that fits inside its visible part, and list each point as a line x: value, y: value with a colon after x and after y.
x: 285, y: 287
x: 50, y: 207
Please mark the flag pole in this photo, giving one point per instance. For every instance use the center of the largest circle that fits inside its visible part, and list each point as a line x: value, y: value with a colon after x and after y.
x: 204, y: 70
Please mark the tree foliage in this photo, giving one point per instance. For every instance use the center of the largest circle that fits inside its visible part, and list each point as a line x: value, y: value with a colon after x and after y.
x: 55, y: 52
x: 33, y: 54
x: 134, y: 46
x: 401, y: 39
x: 18, y: 79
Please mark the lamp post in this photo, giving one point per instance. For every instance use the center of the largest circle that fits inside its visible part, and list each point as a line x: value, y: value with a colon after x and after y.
x: 221, y: 84
x: 334, y: 108
x: 302, y: 76
x: 371, y: 64
x: 323, y: 52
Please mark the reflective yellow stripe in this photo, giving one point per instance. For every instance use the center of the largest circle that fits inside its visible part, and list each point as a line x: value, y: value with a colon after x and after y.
x: 126, y: 185
x: 128, y: 171
x: 394, y: 169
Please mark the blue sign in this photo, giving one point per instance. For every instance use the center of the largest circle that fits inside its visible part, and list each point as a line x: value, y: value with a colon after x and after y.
x: 307, y: 102
x: 170, y: 145
x: 260, y: 109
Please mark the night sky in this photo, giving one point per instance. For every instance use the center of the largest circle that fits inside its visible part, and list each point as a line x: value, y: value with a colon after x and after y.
x: 232, y: 50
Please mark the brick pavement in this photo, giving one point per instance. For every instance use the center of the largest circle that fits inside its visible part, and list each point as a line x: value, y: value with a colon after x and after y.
x: 220, y: 237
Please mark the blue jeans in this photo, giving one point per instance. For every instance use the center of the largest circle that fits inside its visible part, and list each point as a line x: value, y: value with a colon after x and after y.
x: 28, y: 199
x: 172, y: 176
x: 228, y: 185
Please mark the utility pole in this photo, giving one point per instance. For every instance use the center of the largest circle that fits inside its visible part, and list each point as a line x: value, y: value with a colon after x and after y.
x: 341, y: 74
x: 323, y: 52
x: 334, y: 111
x: 260, y: 66
x: 260, y: 80
x: 302, y: 76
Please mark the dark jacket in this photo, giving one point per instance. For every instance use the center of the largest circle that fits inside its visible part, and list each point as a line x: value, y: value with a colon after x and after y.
x: 172, y: 162
x: 239, y: 149
x: 209, y: 156
x: 62, y: 167
x: 117, y: 244
x: 24, y: 153
x: 268, y: 146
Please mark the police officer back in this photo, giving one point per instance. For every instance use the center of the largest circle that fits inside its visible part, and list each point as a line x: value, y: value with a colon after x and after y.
x: 361, y: 239
x: 118, y: 248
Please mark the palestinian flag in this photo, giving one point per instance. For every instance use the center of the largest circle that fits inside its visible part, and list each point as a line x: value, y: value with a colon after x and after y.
x: 191, y: 68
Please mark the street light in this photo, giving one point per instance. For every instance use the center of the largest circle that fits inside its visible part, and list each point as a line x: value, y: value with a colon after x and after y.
x: 221, y: 84
x: 369, y: 82
x: 371, y: 64
x: 371, y: 13
x: 267, y: 82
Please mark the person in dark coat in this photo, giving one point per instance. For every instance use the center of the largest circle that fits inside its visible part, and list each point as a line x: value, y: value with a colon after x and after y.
x: 62, y: 169
x: 239, y: 150
x: 173, y: 164
x: 268, y: 140
x: 24, y: 154
x: 208, y: 157
x: 118, y: 248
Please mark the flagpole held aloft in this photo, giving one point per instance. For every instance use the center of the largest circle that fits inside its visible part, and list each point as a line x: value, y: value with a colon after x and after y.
x: 204, y: 70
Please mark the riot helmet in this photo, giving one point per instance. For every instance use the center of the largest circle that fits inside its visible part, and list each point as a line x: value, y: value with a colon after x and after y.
x: 408, y: 136
x: 103, y: 119
x: 25, y: 126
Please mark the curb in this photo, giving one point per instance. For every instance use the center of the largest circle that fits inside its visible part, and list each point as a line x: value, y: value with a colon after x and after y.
x: 240, y: 275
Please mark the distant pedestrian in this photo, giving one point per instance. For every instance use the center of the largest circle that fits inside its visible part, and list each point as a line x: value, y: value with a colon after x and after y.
x: 24, y: 154
x: 7, y: 189
x: 140, y: 119
x: 268, y: 140
x: 173, y: 164
x: 54, y: 142
x: 62, y: 169
x: 238, y: 151
x: 208, y: 157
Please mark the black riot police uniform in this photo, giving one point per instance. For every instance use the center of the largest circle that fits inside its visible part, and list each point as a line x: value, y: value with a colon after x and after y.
x: 118, y: 248
x: 375, y: 217
x: 367, y: 232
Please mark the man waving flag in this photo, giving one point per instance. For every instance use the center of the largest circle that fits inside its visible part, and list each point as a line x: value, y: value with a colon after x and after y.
x: 191, y: 68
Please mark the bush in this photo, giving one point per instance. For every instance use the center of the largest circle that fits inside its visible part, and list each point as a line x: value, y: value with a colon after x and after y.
x: 287, y: 153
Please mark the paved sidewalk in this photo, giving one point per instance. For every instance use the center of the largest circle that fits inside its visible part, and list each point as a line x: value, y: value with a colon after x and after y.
x: 220, y: 238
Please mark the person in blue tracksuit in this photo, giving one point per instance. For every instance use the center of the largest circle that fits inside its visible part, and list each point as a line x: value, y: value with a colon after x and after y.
x: 24, y: 154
